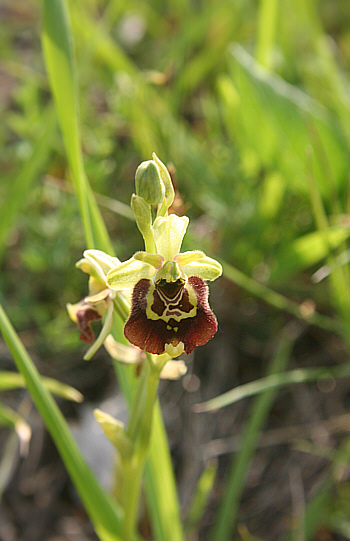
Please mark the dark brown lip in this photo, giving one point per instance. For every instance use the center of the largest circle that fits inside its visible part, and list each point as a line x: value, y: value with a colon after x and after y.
x: 170, y: 289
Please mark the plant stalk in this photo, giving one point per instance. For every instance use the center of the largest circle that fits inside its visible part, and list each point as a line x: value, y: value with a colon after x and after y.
x: 139, y: 431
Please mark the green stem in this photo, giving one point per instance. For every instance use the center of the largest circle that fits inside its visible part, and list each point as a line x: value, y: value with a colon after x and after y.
x: 139, y: 430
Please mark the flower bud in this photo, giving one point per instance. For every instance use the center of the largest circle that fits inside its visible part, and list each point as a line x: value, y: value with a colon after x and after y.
x: 149, y: 184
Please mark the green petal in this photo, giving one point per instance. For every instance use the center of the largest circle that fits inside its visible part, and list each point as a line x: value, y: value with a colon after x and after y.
x: 189, y: 257
x: 168, y: 234
x: 127, y: 274
x: 152, y: 259
x: 206, y: 268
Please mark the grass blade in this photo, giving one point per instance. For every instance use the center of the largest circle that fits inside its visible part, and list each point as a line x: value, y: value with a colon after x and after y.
x: 13, y: 380
x: 274, y: 381
x: 160, y: 480
x: 339, y: 275
x: 60, y: 65
x: 261, y: 407
x: 266, y: 31
x: 104, y: 513
x: 201, y: 497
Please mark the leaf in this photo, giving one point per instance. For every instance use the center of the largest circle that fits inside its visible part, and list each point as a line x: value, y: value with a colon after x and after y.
x: 274, y: 381
x: 13, y: 380
x: 201, y: 497
x: 60, y: 63
x: 114, y: 431
x: 104, y: 513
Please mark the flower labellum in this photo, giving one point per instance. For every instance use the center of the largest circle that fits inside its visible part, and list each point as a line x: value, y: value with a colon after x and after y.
x: 83, y: 314
x: 170, y: 317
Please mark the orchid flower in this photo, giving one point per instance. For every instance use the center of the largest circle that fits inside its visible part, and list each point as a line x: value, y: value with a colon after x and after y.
x: 169, y: 308
x: 98, y: 303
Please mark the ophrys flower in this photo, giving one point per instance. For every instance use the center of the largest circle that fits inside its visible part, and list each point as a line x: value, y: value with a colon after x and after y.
x: 170, y: 312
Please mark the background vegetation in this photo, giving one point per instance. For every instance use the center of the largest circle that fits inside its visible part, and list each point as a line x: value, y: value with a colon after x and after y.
x: 248, y: 103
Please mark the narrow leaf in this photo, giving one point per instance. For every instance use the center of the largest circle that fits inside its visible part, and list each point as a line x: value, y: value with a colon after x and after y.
x: 277, y: 121
x: 13, y: 380
x: 201, y: 497
x: 274, y: 381
x: 306, y: 251
x: 104, y: 513
x: 60, y: 63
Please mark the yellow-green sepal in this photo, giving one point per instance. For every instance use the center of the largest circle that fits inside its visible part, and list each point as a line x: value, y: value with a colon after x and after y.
x: 97, y: 264
x: 204, y: 267
x: 143, y: 216
x: 126, y: 275
x: 169, y: 232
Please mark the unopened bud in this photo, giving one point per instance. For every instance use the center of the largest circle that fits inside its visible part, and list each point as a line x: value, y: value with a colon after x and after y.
x: 149, y: 184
